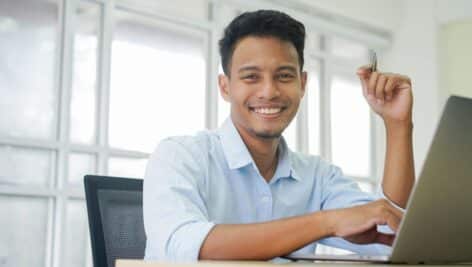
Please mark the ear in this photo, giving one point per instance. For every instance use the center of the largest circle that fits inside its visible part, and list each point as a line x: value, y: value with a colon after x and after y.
x: 223, y: 83
x: 304, y: 79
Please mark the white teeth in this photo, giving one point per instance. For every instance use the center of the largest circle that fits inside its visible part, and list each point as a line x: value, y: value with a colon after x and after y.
x: 267, y: 110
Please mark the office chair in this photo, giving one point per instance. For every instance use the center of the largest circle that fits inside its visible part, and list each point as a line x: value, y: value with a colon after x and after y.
x: 115, y: 215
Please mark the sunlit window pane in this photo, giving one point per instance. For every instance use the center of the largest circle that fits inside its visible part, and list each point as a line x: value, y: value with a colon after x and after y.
x: 23, y: 231
x: 313, y: 99
x: 77, y: 234
x: 84, y: 76
x: 24, y: 166
x: 80, y: 164
x: 157, y: 84
x: 28, y: 35
x: 350, y: 127
x: 127, y: 167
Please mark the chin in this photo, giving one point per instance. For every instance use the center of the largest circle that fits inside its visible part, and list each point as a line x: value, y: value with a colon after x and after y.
x: 267, y: 134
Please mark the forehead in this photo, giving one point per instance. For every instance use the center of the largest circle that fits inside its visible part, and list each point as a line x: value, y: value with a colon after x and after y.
x: 263, y: 52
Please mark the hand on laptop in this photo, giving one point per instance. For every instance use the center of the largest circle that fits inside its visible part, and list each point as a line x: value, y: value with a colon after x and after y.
x: 388, y: 94
x: 359, y: 224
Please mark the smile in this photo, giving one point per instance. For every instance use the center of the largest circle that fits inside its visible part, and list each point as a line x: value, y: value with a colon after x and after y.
x: 267, y: 110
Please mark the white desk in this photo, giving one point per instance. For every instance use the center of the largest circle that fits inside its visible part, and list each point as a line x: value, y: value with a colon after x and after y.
x: 140, y: 263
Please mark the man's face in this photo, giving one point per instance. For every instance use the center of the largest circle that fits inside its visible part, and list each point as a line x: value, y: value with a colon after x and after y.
x: 265, y: 86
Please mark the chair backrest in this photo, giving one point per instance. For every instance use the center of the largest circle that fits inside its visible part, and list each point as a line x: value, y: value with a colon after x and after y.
x: 115, y: 215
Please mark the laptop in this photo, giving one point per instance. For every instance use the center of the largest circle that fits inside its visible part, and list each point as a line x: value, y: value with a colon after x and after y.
x: 437, y: 224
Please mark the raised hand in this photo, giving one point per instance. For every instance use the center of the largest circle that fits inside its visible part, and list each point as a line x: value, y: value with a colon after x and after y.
x: 388, y: 94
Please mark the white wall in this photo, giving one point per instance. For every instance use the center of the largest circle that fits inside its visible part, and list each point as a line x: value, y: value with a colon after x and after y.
x: 456, y: 58
x: 455, y: 42
x: 453, y: 10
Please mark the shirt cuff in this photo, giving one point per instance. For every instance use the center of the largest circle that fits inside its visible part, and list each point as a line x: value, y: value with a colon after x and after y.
x: 382, y: 195
x: 186, y: 242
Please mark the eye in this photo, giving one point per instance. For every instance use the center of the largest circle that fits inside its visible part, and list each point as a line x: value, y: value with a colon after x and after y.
x: 250, y: 77
x: 285, y: 77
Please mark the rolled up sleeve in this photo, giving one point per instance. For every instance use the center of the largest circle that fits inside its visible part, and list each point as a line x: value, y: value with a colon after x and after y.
x: 175, y: 215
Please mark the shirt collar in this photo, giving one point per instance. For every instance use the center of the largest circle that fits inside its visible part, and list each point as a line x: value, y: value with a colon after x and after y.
x: 235, y: 150
x: 238, y: 156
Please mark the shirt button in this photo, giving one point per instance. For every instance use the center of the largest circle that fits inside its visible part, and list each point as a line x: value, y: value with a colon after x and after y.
x: 265, y: 199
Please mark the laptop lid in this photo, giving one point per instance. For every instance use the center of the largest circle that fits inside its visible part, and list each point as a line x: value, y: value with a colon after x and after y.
x: 437, y: 226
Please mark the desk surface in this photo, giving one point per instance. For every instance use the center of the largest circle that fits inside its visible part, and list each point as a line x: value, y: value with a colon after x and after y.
x: 140, y: 263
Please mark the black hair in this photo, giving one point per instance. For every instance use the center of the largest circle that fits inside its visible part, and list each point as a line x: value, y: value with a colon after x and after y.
x: 261, y: 23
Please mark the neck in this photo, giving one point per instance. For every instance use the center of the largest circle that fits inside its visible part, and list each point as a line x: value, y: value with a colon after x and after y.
x: 263, y: 152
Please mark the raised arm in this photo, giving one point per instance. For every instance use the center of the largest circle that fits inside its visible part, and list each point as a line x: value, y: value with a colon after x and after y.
x: 390, y: 96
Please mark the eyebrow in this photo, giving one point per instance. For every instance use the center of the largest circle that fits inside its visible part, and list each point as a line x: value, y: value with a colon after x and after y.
x: 248, y: 68
x: 287, y: 67
x: 252, y: 68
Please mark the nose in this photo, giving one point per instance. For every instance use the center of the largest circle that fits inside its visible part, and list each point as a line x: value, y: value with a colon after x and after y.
x: 268, y: 90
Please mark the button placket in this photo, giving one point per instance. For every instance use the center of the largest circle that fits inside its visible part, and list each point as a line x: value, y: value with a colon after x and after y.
x: 263, y: 199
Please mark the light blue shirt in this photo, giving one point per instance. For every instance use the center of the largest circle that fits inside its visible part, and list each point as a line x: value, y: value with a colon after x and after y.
x: 193, y: 183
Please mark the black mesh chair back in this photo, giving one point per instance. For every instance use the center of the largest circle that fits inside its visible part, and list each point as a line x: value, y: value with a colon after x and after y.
x: 115, y: 215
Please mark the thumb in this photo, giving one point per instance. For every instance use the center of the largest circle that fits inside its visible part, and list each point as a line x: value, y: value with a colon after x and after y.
x: 364, y: 75
x: 364, y: 71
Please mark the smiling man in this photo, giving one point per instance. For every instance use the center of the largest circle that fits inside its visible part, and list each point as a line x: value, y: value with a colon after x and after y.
x: 240, y: 193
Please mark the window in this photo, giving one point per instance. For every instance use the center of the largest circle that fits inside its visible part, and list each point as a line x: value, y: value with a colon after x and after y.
x: 152, y: 67
x: 26, y: 223
x: 313, y: 98
x: 84, y: 74
x: 350, y: 127
x: 28, y: 42
x: 28, y: 105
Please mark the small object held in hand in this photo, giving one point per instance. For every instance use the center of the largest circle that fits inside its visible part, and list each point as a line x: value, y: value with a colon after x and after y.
x: 373, y: 60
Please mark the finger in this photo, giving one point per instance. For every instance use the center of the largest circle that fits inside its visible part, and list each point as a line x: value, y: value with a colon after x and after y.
x: 390, y: 87
x: 405, y: 80
x: 372, y: 83
x: 380, y: 87
x: 364, y: 70
x: 386, y: 239
x: 364, y: 85
x: 402, y: 85
x: 364, y: 75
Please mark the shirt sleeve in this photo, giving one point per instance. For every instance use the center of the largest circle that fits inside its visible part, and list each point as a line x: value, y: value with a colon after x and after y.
x: 340, y: 191
x: 175, y: 214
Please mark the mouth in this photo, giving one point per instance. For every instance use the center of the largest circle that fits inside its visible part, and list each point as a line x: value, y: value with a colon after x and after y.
x: 267, y: 112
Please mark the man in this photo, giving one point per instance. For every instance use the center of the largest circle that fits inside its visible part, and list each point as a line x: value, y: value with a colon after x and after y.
x: 240, y: 193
